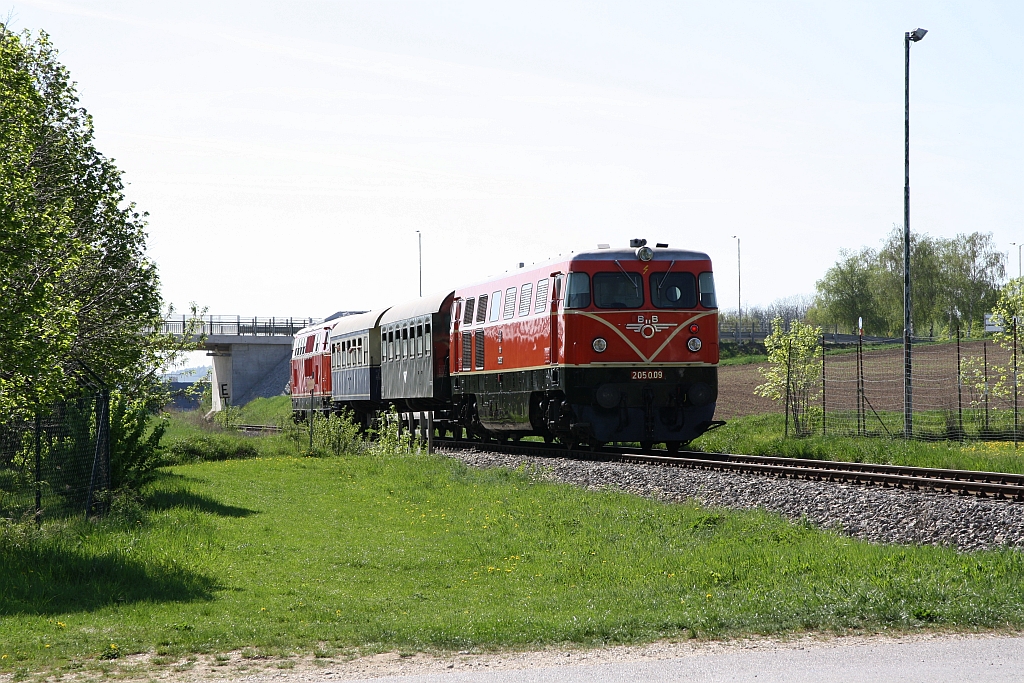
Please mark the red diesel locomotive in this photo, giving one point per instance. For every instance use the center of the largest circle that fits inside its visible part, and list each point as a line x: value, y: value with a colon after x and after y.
x: 606, y: 345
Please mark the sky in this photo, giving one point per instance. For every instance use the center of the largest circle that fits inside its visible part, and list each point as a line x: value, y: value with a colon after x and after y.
x: 288, y: 153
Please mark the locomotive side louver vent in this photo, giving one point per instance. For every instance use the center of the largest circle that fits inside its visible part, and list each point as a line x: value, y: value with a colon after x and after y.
x: 467, y: 318
x: 510, y: 303
x: 467, y: 350
x: 481, y: 311
x: 479, y: 360
x: 542, y: 296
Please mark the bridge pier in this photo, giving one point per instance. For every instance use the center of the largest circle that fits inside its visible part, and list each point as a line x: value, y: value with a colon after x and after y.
x: 251, y: 367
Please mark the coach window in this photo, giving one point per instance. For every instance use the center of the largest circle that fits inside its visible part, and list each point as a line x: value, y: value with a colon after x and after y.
x: 542, y: 296
x: 467, y: 313
x: 510, y: 303
x: 405, y: 342
x: 618, y: 290
x: 495, y: 306
x: 707, y: 290
x: 577, y: 290
x: 391, y: 345
x: 481, y: 309
x: 419, y: 340
x: 427, y: 339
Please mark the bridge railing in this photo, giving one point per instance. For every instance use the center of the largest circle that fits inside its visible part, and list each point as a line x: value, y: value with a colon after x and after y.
x: 236, y: 325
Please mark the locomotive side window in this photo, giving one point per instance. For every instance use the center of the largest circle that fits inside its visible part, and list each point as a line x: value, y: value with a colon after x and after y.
x: 510, y: 303
x: 481, y: 310
x: 467, y: 318
x: 495, y: 306
x: 542, y: 295
x: 525, y: 299
x: 673, y: 290
x: 618, y: 290
x: 707, y: 290
x: 577, y: 290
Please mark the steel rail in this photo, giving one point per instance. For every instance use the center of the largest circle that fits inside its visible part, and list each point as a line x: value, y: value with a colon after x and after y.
x: 248, y: 429
x: 963, y: 482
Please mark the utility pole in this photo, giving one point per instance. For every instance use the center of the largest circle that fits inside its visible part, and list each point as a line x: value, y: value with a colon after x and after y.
x: 739, y: 291
x: 419, y: 239
x: 908, y: 392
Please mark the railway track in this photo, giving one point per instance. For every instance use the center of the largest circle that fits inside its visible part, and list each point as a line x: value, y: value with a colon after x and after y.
x: 258, y: 429
x: 964, y: 482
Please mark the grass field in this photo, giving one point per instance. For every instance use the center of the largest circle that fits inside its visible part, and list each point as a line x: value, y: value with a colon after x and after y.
x: 281, y: 555
x: 765, y: 435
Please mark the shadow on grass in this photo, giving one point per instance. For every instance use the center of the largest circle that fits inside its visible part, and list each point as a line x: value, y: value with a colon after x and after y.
x: 57, y: 580
x: 184, y: 498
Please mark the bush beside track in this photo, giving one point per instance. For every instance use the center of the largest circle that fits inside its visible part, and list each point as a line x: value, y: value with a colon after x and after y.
x: 277, y: 554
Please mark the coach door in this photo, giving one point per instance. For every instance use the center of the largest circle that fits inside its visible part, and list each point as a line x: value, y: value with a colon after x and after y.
x: 556, y: 295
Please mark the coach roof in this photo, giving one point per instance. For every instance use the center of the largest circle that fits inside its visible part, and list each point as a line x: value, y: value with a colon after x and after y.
x: 357, y: 323
x: 427, y: 305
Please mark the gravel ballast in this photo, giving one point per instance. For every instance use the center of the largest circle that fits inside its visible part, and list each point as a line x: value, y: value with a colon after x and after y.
x: 874, y: 514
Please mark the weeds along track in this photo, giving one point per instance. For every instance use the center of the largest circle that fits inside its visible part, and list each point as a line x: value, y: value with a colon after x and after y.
x: 996, y: 485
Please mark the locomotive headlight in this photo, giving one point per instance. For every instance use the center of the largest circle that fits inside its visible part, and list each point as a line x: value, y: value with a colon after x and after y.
x: 693, y: 344
x: 600, y: 344
x: 645, y: 253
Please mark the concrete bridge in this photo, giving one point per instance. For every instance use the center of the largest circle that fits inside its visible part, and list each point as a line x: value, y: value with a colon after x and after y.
x: 251, y: 355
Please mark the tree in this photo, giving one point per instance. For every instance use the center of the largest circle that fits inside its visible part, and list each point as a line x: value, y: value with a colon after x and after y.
x: 79, y: 298
x: 38, y: 247
x: 972, y: 270
x: 794, y: 369
x: 847, y: 292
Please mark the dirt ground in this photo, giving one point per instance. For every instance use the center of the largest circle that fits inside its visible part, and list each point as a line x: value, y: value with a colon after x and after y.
x: 935, y: 380
x: 736, y: 396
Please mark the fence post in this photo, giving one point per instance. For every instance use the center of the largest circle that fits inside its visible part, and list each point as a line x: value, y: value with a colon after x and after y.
x: 984, y: 351
x: 789, y: 363
x: 959, y: 390
x: 823, y: 384
x: 1014, y: 381
x: 39, y: 454
x: 861, y: 418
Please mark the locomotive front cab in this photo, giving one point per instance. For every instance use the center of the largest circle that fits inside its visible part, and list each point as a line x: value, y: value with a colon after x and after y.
x: 637, y: 344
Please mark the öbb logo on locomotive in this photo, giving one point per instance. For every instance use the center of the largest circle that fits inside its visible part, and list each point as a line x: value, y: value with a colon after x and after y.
x: 528, y: 354
x: 649, y: 327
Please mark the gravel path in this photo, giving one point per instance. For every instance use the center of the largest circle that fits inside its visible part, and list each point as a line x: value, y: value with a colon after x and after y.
x: 874, y: 514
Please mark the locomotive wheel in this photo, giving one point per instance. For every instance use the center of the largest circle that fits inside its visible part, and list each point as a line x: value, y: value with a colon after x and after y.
x: 673, y: 446
x: 646, y: 446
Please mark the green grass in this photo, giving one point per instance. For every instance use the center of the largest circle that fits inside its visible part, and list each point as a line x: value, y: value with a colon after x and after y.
x: 748, y: 359
x: 764, y: 435
x: 189, y: 438
x: 278, y: 555
x: 266, y: 411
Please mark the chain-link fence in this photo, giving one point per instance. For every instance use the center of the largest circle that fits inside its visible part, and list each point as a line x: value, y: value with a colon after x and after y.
x: 57, y: 462
x: 961, y: 389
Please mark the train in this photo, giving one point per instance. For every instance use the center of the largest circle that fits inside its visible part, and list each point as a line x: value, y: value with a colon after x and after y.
x: 611, y: 345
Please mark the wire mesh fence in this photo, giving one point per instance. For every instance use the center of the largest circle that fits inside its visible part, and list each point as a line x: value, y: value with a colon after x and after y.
x: 961, y: 390
x: 58, y: 461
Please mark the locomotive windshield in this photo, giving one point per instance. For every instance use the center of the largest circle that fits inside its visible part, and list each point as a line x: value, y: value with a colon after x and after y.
x: 673, y: 290
x: 618, y: 290
x: 577, y: 291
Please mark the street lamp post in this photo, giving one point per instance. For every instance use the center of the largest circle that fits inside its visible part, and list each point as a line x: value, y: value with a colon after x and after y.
x: 419, y: 239
x: 739, y: 292
x: 908, y: 393
x: 1018, y: 245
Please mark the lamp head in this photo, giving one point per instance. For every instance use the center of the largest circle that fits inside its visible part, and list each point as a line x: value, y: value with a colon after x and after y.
x: 917, y: 34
